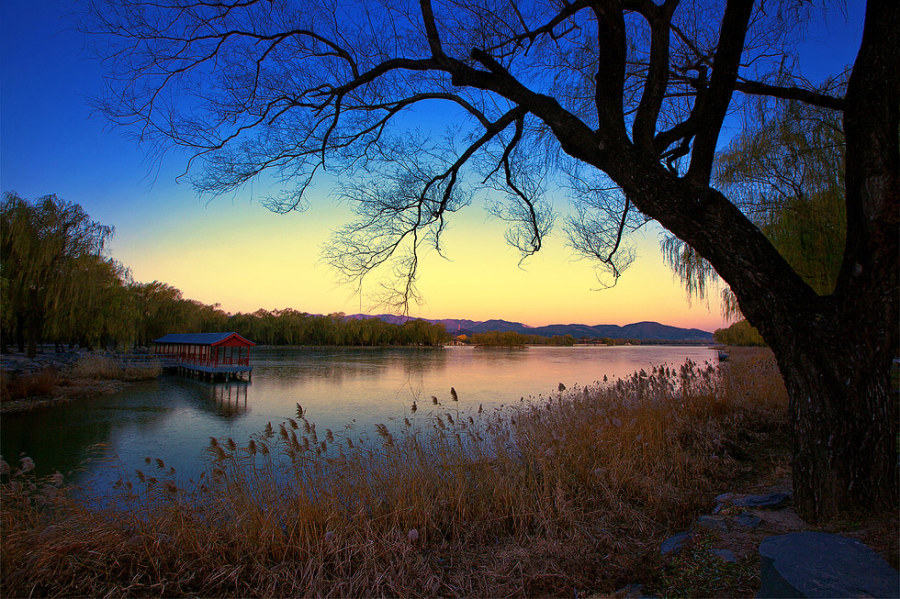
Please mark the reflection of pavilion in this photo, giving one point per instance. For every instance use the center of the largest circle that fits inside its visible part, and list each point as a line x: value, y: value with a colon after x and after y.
x: 230, y: 399
x: 206, y: 355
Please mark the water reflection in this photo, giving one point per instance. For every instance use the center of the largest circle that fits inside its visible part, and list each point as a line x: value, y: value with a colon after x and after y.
x: 229, y: 399
x: 346, y: 390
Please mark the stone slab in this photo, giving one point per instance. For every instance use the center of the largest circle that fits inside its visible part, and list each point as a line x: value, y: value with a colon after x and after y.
x: 818, y: 564
x: 772, y: 500
x: 747, y: 520
x: 725, y: 555
x: 674, y: 544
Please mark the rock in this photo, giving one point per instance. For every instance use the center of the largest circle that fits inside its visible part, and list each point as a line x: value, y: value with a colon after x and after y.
x: 818, y: 564
x: 674, y: 544
x: 772, y: 500
x: 712, y: 523
x: 629, y: 591
x: 725, y: 555
x: 747, y: 520
x: 724, y: 497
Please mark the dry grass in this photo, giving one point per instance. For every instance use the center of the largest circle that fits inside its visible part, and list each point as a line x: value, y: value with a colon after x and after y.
x: 103, y: 367
x: 570, y: 496
x: 27, y: 386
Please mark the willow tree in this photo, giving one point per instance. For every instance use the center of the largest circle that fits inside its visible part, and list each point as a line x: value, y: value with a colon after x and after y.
x: 42, y: 243
x: 786, y: 172
x: 623, y: 101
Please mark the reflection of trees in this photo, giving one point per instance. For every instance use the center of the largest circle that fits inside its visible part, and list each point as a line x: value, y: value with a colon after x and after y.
x: 64, y: 437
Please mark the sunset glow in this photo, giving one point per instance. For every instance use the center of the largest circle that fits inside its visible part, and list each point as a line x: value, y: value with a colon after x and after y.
x: 234, y: 252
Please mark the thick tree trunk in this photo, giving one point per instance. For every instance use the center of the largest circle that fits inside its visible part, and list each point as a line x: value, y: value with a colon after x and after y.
x: 844, y: 418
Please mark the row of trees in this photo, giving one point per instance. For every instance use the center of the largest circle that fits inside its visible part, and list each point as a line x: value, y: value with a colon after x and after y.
x: 59, y: 287
x: 55, y: 281
x: 513, y: 339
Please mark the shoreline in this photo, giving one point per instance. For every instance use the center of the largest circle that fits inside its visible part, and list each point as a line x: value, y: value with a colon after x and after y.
x: 74, y: 390
x: 52, y: 378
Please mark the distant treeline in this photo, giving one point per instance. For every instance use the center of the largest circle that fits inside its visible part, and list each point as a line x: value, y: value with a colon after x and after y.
x: 58, y: 287
x: 513, y: 339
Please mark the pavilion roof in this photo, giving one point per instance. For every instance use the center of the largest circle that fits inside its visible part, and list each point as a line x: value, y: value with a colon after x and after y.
x: 203, y: 339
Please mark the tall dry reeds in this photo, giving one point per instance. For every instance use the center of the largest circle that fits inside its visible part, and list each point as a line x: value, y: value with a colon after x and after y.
x: 26, y: 386
x: 569, y: 495
x: 98, y: 366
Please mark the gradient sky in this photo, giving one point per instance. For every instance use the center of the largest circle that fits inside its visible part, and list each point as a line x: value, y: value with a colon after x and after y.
x: 235, y: 252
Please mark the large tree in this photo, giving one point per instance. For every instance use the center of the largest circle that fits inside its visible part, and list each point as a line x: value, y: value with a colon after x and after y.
x: 624, y: 100
x: 45, y: 246
x: 786, y: 172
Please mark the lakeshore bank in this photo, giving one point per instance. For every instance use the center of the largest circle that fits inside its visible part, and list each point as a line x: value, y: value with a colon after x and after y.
x: 52, y: 378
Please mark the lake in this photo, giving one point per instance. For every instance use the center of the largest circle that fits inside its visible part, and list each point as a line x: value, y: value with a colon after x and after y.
x: 347, y: 390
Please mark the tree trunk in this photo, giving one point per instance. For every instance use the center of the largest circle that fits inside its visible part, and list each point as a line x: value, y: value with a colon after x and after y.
x: 844, y: 420
x: 34, y: 324
x: 20, y: 331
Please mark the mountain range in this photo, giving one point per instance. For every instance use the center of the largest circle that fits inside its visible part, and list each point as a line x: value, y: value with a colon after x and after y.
x: 645, y: 331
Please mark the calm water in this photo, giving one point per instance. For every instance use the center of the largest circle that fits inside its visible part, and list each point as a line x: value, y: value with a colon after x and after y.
x: 348, y: 390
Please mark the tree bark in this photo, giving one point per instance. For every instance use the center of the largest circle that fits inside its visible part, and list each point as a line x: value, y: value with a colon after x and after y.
x: 844, y: 421
x: 844, y: 414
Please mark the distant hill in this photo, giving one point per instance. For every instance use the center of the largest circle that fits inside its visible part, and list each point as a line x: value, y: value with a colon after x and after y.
x: 645, y: 331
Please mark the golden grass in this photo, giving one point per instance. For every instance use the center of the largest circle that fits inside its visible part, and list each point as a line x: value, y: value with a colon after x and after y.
x: 27, y: 386
x: 569, y: 496
x: 104, y: 367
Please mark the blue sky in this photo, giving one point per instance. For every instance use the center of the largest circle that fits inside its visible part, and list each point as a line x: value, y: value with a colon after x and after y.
x: 233, y: 251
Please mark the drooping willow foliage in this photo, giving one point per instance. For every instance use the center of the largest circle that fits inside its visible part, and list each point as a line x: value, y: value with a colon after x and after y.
x: 787, y: 174
x: 54, y: 274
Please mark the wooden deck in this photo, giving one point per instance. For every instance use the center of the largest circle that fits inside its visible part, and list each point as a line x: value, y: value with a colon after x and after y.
x: 200, y: 368
x: 205, y: 370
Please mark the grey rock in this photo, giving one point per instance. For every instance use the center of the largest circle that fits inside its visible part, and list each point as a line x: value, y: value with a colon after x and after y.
x: 712, y: 523
x: 818, y: 564
x: 629, y: 591
x: 674, y: 544
x: 772, y: 500
x: 747, y: 520
x: 724, y: 497
x: 725, y: 555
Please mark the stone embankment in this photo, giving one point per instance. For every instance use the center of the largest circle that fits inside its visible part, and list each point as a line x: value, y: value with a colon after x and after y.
x: 17, y: 363
x: 54, y: 377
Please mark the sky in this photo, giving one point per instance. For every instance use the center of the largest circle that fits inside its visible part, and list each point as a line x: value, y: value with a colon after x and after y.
x: 234, y: 252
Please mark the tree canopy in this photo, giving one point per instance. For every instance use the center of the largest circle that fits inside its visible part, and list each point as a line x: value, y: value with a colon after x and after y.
x: 51, y: 265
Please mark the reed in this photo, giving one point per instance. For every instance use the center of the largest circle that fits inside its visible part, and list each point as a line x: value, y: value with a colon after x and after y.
x: 104, y: 367
x: 568, y: 495
x: 26, y: 386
